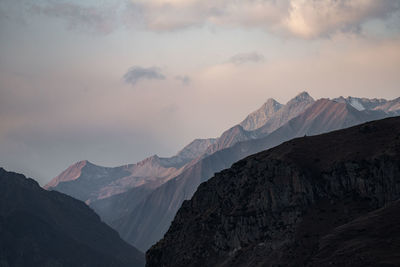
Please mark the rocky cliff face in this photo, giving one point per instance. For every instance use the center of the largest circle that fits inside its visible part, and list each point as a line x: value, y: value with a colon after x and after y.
x: 280, y: 207
x: 42, y: 228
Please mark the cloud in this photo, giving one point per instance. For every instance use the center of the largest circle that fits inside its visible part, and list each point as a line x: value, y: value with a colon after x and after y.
x: 301, y: 18
x: 184, y: 79
x: 316, y: 18
x: 98, y: 19
x: 12, y: 11
x: 136, y: 73
x: 243, y: 58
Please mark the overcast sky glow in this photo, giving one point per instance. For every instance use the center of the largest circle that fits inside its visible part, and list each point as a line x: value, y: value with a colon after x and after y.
x: 117, y: 81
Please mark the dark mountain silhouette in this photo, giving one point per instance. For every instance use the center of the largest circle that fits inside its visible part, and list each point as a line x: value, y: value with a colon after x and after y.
x: 42, y: 228
x: 311, y: 201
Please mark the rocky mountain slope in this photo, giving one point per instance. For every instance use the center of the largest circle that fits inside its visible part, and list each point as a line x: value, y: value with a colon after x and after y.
x: 115, y: 192
x: 370, y: 240
x: 263, y: 121
x: 292, y: 109
x: 259, y: 117
x: 151, y: 218
x: 391, y: 107
x: 89, y: 182
x: 140, y: 203
x: 311, y: 201
x: 42, y: 228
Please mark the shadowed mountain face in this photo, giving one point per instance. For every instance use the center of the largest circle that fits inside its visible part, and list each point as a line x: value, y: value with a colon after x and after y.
x: 370, y: 240
x: 42, y: 228
x: 311, y: 201
x: 151, y: 218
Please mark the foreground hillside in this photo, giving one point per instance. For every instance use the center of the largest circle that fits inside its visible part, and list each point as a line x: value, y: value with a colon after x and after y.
x: 42, y: 228
x: 312, y: 201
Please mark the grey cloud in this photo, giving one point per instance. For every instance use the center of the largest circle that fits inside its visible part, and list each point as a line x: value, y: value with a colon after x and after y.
x: 243, y: 58
x: 13, y: 11
x: 94, y: 19
x: 183, y: 79
x: 300, y: 18
x: 136, y: 73
x: 323, y: 18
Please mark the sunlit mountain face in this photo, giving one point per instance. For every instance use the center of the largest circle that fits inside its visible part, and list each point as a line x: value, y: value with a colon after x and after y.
x: 126, y: 108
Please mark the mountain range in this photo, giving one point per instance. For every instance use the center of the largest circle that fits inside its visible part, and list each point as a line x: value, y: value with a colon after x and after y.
x: 140, y: 200
x: 48, y: 228
x: 324, y: 200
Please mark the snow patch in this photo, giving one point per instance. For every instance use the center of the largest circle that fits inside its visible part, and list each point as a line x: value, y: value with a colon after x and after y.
x: 356, y: 104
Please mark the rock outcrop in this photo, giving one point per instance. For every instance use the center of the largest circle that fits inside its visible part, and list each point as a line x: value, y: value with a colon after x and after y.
x: 293, y: 205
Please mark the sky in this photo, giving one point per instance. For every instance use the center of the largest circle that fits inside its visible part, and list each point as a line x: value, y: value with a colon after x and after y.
x: 114, y: 82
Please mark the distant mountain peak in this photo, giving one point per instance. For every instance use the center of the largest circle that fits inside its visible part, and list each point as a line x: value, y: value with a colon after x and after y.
x: 80, y: 164
x: 151, y: 158
x: 302, y: 97
x: 271, y: 101
x: 196, y: 148
x: 71, y: 173
x: 259, y: 117
x: 354, y: 102
x: 391, y: 107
